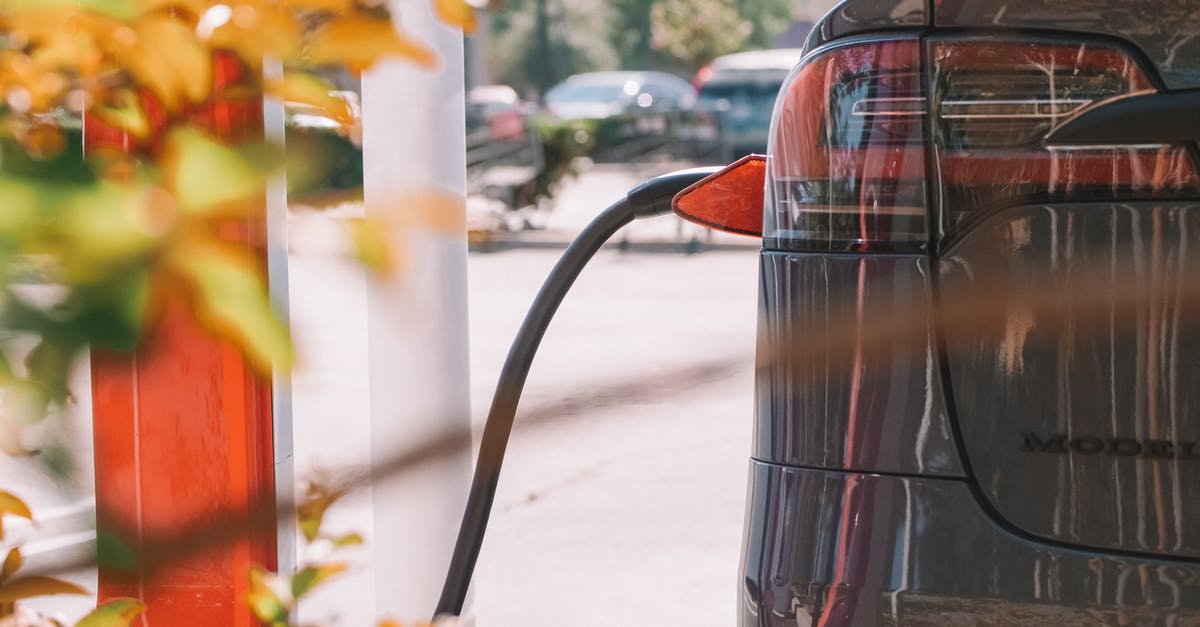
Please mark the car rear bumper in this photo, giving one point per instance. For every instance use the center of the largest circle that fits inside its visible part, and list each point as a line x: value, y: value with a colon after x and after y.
x: 836, y: 548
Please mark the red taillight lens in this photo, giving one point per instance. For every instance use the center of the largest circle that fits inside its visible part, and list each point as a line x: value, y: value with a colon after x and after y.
x: 846, y: 170
x: 992, y: 104
x: 730, y: 200
x: 856, y: 124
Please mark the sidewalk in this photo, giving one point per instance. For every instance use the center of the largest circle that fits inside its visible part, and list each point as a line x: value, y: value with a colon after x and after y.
x: 582, y: 198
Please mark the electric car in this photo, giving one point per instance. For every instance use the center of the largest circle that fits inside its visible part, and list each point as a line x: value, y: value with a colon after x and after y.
x: 978, y: 399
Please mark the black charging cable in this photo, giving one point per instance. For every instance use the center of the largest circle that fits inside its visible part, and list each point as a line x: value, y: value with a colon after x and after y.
x: 648, y: 200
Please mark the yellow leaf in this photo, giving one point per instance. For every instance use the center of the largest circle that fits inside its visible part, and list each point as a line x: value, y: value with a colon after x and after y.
x: 195, y: 7
x: 124, y: 111
x: 36, y: 586
x: 10, y: 505
x: 115, y: 613
x: 64, y: 38
x: 12, y: 563
x: 41, y: 140
x: 327, y: 6
x: 230, y: 299
x: 457, y: 13
x: 205, y: 174
x: 359, y: 41
x: 163, y: 54
x: 306, y: 89
x: 258, y: 29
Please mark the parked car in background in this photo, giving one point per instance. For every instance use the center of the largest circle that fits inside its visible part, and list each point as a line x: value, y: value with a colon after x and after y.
x: 505, y: 159
x: 735, y: 96
x: 493, y: 98
x: 500, y: 109
x: 598, y: 95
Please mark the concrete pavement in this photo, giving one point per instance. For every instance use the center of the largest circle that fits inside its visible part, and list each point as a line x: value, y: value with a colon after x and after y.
x: 626, y: 510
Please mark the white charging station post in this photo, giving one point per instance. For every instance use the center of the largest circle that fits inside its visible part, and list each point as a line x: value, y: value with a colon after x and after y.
x: 414, y: 156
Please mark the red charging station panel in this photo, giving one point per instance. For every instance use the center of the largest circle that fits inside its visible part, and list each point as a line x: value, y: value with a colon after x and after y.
x: 183, y: 431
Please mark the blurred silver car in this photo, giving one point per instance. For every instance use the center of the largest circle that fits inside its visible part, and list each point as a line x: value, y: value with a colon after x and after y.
x: 597, y: 95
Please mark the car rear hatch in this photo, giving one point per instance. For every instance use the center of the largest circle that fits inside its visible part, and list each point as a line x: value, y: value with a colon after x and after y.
x: 1072, y: 359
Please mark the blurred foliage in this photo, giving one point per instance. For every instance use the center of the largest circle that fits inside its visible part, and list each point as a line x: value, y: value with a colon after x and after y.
x: 320, y: 161
x: 166, y: 204
x: 697, y: 31
x: 273, y: 596
x: 585, y: 35
x: 161, y: 206
x: 577, y: 41
x: 14, y: 587
x: 563, y: 143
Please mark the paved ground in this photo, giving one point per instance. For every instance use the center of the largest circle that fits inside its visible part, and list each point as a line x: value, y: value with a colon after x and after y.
x: 627, y: 512
x: 624, y: 514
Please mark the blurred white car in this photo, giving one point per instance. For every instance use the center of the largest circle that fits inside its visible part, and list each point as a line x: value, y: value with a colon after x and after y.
x: 597, y: 95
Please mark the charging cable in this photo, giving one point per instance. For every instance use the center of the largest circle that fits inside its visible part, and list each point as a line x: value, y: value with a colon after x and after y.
x: 648, y: 200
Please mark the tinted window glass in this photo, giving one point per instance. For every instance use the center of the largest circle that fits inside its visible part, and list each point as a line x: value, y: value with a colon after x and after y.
x: 586, y: 93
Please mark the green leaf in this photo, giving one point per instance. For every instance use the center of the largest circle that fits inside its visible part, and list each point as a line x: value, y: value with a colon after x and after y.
x: 313, y: 576
x: 49, y: 364
x: 57, y: 459
x: 24, y: 403
x: 350, y: 539
x: 111, y: 313
x: 263, y: 600
x: 115, y: 613
x: 36, y: 586
x: 311, y: 513
x: 103, y: 229
x: 231, y: 300
x: 114, y: 553
x: 117, y: 9
x: 20, y: 199
x: 371, y: 246
x: 206, y: 174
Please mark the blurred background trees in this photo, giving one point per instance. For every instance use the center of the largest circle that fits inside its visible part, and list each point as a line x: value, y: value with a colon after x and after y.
x: 588, y: 35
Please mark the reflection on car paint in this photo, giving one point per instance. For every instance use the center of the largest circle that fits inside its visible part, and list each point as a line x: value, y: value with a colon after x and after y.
x: 1130, y: 380
x: 840, y: 548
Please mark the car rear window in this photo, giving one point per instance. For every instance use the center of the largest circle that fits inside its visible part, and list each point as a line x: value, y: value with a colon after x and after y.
x: 586, y: 93
x: 743, y: 85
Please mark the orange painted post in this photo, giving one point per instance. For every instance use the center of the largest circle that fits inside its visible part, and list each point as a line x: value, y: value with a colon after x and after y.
x: 183, y: 430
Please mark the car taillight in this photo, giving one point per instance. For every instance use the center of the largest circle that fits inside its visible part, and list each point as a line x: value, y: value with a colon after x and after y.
x: 846, y: 167
x: 855, y: 127
x: 994, y: 101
